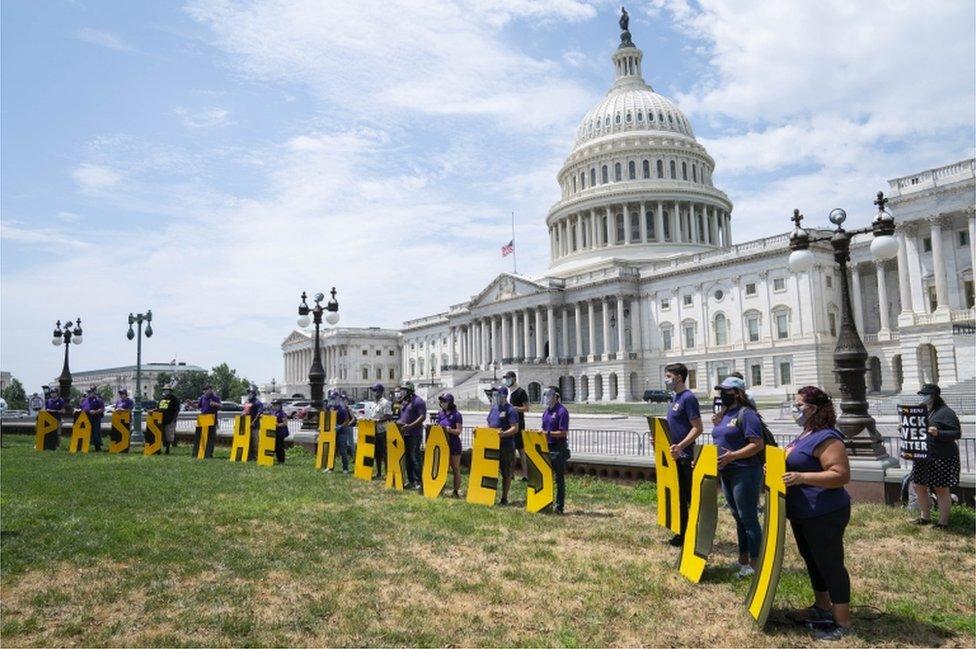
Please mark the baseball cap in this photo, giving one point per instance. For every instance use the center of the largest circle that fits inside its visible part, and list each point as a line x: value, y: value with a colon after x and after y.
x: 731, y: 383
x: 500, y: 389
x: 929, y: 389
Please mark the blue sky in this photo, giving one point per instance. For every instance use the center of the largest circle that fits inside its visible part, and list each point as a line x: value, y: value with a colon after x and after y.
x: 212, y: 159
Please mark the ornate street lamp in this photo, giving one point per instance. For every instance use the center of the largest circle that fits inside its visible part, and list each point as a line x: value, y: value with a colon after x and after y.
x: 316, y: 374
x: 65, y: 337
x: 850, y: 356
x: 138, y: 319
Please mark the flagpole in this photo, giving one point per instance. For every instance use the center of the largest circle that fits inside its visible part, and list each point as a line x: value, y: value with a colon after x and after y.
x: 514, y: 254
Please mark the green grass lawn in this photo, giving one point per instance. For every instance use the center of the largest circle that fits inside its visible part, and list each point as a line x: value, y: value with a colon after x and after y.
x: 136, y: 551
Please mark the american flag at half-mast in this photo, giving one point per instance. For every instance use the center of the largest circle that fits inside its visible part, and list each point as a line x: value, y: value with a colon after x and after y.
x: 508, y: 248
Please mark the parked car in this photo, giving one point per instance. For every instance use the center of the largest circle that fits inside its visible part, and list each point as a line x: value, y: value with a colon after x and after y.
x: 231, y: 406
x: 656, y: 396
x: 294, y: 407
x: 359, y: 409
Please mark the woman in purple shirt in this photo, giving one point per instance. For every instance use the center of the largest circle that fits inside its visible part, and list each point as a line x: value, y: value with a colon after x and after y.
x: 819, y: 509
x: 740, y: 464
x: 450, y: 420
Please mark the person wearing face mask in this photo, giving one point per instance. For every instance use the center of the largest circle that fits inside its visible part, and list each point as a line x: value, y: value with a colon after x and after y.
x: 819, y: 509
x: 413, y: 412
x: 170, y: 407
x: 717, y: 416
x: 343, y: 423
x: 940, y: 470
x: 739, y: 439
x: 684, y: 427
x: 504, y: 417
x: 519, y: 400
x: 254, y: 407
x: 450, y: 420
x: 95, y: 407
x: 555, y: 423
x: 381, y: 412
x: 281, y: 430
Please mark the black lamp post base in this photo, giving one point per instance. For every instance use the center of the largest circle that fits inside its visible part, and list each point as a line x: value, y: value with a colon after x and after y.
x: 862, y: 438
x: 311, y: 420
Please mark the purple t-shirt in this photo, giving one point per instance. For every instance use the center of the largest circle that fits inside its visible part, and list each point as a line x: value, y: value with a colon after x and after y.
x: 93, y: 403
x: 554, y: 420
x: 209, y: 405
x: 125, y: 403
x: 807, y: 501
x: 738, y: 424
x: 409, y: 412
x: 449, y: 419
x: 683, y: 409
x: 502, y: 417
x: 55, y: 403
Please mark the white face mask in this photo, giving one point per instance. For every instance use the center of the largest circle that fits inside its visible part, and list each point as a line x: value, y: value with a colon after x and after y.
x: 509, y: 382
x: 669, y: 384
x: 799, y: 416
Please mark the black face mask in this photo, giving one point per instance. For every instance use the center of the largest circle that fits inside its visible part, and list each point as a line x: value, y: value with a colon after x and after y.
x: 728, y: 399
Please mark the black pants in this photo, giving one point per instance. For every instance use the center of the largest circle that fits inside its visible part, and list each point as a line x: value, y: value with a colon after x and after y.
x: 820, y: 541
x: 413, y: 458
x: 684, y: 490
x: 558, y: 456
x: 379, y: 456
x: 280, y: 436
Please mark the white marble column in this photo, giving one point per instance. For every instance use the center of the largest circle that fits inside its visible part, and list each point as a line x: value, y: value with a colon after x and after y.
x: 609, y: 228
x: 607, y: 345
x: 564, y: 352
x: 643, y: 222
x: 578, y: 331
x: 659, y: 223
x: 971, y: 224
x: 621, y: 341
x: 506, y: 337
x: 539, y: 346
x: 551, y: 333
x: 594, y: 236
x: 636, y: 336
x: 857, y: 298
x: 882, y: 298
x: 526, y: 335
x: 728, y: 229
x: 494, y: 352
x: 591, y: 330
x: 628, y: 230
x: 693, y: 219
x: 938, y: 266
x: 579, y: 231
x: 451, y: 360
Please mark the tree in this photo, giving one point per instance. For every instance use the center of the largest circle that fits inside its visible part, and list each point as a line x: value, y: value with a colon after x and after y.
x: 189, y: 385
x: 105, y: 392
x: 14, y: 395
x: 227, y: 384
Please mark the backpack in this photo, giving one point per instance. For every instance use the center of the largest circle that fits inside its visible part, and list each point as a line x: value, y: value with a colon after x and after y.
x: 767, y: 435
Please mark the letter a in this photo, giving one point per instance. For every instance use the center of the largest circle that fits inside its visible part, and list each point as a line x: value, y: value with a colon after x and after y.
x: 81, y: 433
x: 668, y: 513
x: 760, y: 597
x: 485, y: 456
x: 540, y: 490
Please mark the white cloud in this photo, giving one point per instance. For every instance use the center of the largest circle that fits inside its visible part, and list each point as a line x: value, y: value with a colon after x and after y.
x: 203, y: 118
x: 94, y: 177
x: 102, y: 38
x: 68, y: 217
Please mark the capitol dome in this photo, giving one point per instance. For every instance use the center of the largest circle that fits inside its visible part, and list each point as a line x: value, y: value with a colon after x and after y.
x: 637, y: 185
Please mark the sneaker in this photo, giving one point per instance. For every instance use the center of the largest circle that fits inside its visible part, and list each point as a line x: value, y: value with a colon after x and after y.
x: 830, y: 631
x: 326, y: 470
x: 941, y: 526
x: 745, y: 571
x: 455, y: 494
x: 503, y: 502
x: 809, y: 614
x: 676, y: 541
x: 559, y: 511
x: 921, y: 521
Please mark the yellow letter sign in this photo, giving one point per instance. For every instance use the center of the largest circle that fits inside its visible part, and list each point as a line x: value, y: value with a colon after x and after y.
x: 485, y: 456
x: 81, y: 432
x: 365, y: 449
x: 437, y: 457
x: 47, y: 431
x: 240, y: 443
x: 154, y: 433
x: 204, y: 436
x: 540, y: 491
x: 760, y: 597
x: 396, y: 456
x: 266, y: 440
x: 668, y: 513
x: 120, y: 436
x: 702, y: 514
x: 325, y: 446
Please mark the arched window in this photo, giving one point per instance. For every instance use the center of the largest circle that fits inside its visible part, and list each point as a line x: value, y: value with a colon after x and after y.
x: 582, y: 180
x: 660, y: 169
x: 632, y: 170
x: 630, y: 117
x: 640, y: 116
x: 647, y: 169
x: 593, y: 177
x: 620, y: 228
x: 671, y: 119
x: 616, y: 172
x: 616, y: 118
x: 605, y: 176
x: 413, y: 367
x: 660, y: 117
x: 667, y: 226
x: 574, y: 184
x: 694, y: 172
x: 684, y: 171
x: 606, y: 122
x: 674, y: 174
x: 721, y: 329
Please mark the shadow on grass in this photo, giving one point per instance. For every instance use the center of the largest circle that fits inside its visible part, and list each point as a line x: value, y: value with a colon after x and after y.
x: 583, y: 512
x: 871, y: 626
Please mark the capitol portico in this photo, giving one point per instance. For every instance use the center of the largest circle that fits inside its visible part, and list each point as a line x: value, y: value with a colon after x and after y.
x: 643, y: 272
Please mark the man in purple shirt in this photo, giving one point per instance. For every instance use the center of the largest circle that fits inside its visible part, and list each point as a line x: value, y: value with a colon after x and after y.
x: 684, y: 426
x: 209, y: 404
x: 413, y: 412
x: 124, y: 402
x: 555, y: 423
x: 93, y: 405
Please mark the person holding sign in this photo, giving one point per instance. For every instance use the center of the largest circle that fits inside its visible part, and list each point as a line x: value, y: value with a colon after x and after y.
x: 519, y: 399
x: 504, y: 417
x: 170, y: 407
x: 940, y: 469
x: 124, y: 402
x: 413, y: 411
x: 94, y: 406
x: 209, y: 404
x: 343, y: 424
x: 684, y: 427
x: 281, y: 430
x: 381, y: 412
x: 739, y: 439
x: 555, y: 424
x: 450, y: 420
x: 819, y: 508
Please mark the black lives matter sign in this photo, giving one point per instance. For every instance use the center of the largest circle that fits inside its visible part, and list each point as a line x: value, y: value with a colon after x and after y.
x: 913, y: 425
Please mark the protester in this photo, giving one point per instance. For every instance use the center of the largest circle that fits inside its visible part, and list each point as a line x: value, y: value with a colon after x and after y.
x: 717, y: 416
x: 281, y: 430
x: 413, y: 412
x: 170, y: 407
x: 555, y: 423
x: 94, y: 407
x: 344, y: 426
x: 519, y: 399
x: 380, y: 412
x: 35, y: 404
x: 53, y: 402
x: 939, y: 471
x: 449, y: 418
x: 124, y: 402
x: 504, y: 417
x: 819, y: 508
x: 209, y: 404
x: 739, y: 438
x: 684, y: 427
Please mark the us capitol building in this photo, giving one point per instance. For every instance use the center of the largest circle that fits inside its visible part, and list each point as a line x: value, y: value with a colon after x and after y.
x: 643, y: 272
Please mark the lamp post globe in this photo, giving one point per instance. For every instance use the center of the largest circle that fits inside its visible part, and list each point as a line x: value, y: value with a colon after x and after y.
x: 316, y: 373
